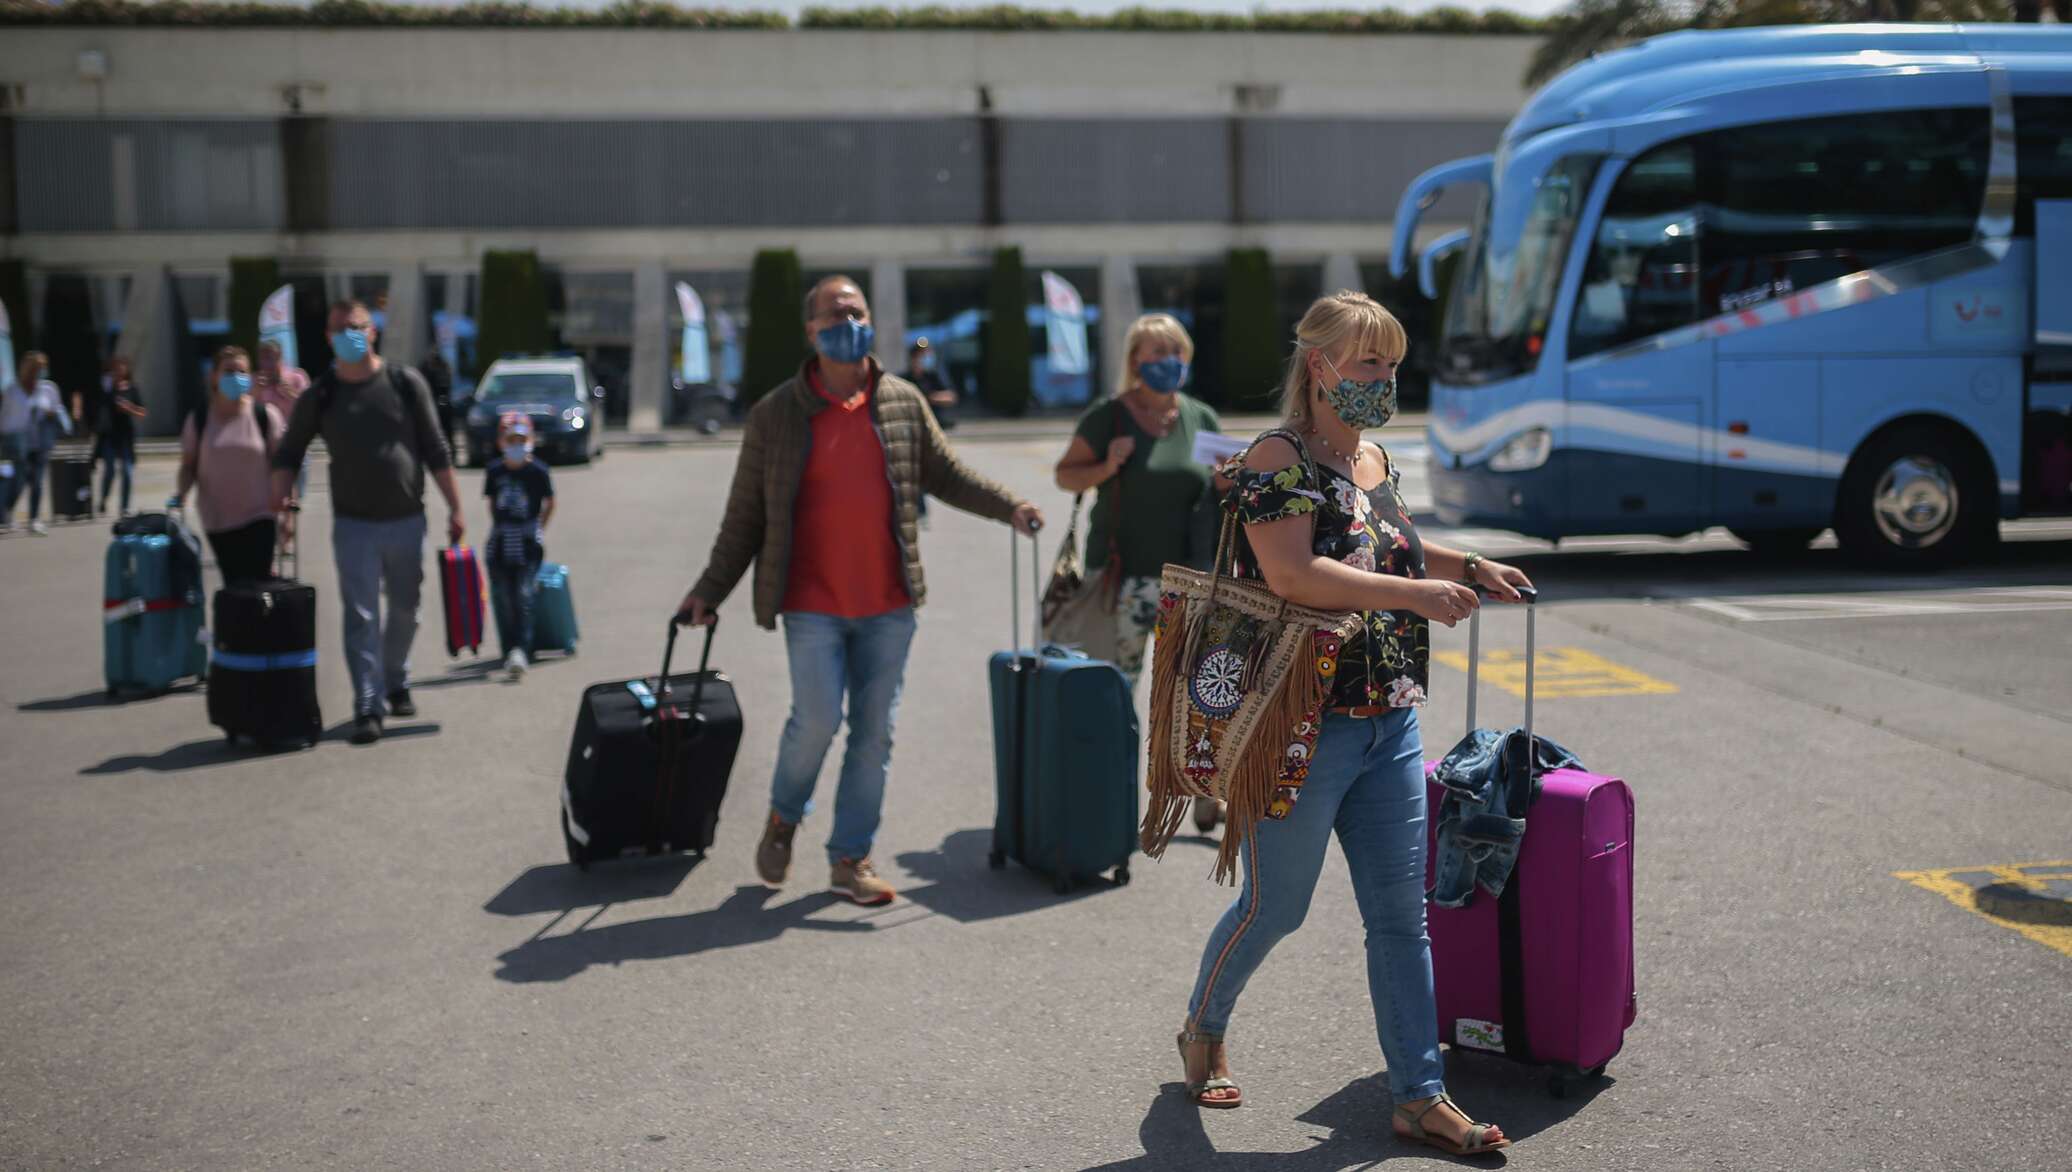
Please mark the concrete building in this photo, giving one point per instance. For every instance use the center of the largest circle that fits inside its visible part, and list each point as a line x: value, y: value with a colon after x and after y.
x: 382, y: 163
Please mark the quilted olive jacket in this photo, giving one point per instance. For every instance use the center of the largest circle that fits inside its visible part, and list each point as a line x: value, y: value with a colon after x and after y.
x: 774, y: 449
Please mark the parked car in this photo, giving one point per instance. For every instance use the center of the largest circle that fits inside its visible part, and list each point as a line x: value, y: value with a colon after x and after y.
x: 566, y: 408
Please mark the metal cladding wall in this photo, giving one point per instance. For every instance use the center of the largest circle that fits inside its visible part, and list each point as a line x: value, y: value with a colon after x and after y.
x: 1352, y: 169
x: 101, y: 175
x: 1055, y: 171
x: 455, y: 173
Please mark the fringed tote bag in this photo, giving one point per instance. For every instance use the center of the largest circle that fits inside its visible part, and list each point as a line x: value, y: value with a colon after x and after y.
x: 1239, y: 680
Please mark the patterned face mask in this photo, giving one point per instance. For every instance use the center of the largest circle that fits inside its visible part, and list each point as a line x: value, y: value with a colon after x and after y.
x: 1359, y: 404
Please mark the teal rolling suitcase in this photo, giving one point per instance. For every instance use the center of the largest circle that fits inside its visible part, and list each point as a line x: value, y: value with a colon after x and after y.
x: 554, y: 611
x: 151, y: 605
x: 1065, y: 753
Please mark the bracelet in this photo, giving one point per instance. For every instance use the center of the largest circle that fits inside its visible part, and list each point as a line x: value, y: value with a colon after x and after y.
x: 1468, y: 565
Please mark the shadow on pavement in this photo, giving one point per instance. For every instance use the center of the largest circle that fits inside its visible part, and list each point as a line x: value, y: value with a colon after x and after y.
x: 957, y: 882
x: 560, y: 887
x: 1357, y: 1117
x: 216, y: 751
x: 99, y: 698
x: 2009, y: 901
x: 478, y: 672
x: 741, y: 919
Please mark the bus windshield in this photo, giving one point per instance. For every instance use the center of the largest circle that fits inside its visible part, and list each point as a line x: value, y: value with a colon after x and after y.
x: 1503, y: 297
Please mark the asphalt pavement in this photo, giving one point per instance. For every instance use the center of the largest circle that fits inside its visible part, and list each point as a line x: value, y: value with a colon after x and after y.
x: 377, y: 957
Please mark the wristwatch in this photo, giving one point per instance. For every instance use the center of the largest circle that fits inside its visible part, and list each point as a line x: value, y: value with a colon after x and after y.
x: 1468, y: 565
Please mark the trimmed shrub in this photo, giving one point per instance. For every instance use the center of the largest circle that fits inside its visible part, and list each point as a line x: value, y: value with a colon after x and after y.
x: 251, y: 279
x: 1252, y: 358
x: 776, y: 329
x: 513, y: 318
x: 1004, y: 344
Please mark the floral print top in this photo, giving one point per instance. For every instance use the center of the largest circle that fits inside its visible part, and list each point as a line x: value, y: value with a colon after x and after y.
x: 1368, y: 530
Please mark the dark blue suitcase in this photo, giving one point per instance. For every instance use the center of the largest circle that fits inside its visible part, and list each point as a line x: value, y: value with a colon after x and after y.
x: 1065, y: 753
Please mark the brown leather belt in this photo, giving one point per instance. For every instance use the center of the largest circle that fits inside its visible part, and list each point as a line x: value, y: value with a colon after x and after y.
x: 1362, y: 711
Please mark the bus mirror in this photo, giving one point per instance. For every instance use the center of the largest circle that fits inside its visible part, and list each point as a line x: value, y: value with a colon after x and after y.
x: 1428, y: 261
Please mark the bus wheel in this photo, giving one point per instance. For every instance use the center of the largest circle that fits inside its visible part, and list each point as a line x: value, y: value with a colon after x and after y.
x: 1916, y: 497
x: 1776, y: 543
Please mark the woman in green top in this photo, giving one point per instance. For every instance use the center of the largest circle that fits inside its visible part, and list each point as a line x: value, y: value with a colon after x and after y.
x: 1139, y: 446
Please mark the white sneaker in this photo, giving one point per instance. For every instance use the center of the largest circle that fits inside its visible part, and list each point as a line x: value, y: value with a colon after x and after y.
x: 39, y: 528
x: 515, y: 665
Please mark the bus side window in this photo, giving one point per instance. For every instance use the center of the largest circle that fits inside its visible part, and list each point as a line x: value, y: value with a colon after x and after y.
x: 1642, y: 275
x: 2043, y: 156
x: 1796, y: 204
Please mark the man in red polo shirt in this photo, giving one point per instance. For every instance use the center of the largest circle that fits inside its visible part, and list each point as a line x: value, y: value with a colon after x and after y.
x: 833, y: 467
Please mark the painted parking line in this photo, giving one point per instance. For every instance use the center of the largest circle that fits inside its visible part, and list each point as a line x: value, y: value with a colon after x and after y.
x: 1784, y: 608
x: 1561, y: 672
x: 2034, y: 899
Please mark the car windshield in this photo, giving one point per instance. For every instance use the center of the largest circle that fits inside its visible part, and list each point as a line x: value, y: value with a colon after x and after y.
x: 1503, y: 298
x: 530, y: 387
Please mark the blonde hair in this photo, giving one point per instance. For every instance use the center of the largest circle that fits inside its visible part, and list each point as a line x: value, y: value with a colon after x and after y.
x: 1152, y: 327
x: 1332, y: 322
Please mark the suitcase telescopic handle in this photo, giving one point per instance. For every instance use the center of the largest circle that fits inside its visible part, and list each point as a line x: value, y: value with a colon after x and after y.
x: 704, y: 660
x: 1014, y: 591
x: 1531, y: 597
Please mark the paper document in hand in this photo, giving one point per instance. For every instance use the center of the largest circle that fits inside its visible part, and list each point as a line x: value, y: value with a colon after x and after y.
x: 1212, y: 448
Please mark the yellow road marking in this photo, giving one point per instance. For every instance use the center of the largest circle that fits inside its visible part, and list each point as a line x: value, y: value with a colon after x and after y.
x: 2034, y: 899
x: 1568, y: 672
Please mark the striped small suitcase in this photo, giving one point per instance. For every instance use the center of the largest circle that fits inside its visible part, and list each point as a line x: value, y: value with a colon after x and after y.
x: 465, y: 590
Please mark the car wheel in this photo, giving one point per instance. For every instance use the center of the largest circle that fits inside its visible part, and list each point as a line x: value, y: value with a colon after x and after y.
x: 1916, y: 497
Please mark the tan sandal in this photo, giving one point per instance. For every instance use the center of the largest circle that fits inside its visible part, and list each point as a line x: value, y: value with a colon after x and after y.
x: 1478, y: 1143
x: 1195, y: 1090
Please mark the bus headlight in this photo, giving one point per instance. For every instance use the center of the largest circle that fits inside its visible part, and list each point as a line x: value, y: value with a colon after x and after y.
x: 1526, y: 451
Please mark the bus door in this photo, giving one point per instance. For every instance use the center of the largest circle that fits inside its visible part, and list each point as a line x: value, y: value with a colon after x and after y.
x: 1639, y: 381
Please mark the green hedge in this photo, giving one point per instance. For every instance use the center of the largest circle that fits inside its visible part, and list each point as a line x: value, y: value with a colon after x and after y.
x: 1252, y: 352
x: 776, y: 327
x: 513, y: 317
x: 628, y: 14
x: 1004, y: 345
x: 252, y: 278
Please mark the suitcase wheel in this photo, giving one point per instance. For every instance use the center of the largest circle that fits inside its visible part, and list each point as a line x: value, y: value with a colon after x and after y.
x: 996, y: 860
x: 230, y: 740
x: 1122, y: 875
x: 1062, y: 885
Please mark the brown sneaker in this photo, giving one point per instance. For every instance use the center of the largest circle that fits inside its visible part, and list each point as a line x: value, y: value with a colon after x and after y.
x: 857, y: 880
x: 773, y: 854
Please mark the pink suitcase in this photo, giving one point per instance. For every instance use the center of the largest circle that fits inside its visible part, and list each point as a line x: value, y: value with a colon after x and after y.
x: 1543, y: 974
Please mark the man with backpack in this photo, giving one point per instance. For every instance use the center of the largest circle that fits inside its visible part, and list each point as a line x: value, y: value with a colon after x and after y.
x: 382, y: 432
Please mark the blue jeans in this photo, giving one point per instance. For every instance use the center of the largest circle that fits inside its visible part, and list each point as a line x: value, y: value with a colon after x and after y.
x: 30, y: 462
x: 114, y: 464
x: 866, y: 659
x: 377, y: 558
x: 14, y: 450
x: 511, y: 593
x: 1367, y: 783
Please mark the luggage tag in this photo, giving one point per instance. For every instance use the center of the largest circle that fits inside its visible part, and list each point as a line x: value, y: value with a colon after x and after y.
x: 642, y: 693
x: 6, y: 469
x: 127, y: 610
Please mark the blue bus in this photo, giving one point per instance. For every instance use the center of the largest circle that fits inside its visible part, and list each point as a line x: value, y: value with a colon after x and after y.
x: 1780, y: 280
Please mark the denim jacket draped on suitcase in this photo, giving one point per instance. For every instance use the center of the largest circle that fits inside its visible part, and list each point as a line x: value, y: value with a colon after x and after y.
x: 1482, y: 819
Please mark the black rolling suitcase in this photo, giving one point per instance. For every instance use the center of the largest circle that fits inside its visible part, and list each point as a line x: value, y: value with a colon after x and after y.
x: 649, y: 762
x: 71, y: 485
x: 263, y: 663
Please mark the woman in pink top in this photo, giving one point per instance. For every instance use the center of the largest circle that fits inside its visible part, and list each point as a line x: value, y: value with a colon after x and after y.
x: 226, y: 453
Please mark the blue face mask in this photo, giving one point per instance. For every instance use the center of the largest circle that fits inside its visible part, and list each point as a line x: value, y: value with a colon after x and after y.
x: 1164, y: 375
x: 846, y: 341
x: 516, y: 451
x: 235, y: 385
x: 350, y: 345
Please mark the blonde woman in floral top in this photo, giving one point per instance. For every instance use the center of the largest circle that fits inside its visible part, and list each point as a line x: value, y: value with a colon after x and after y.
x: 1325, y: 526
